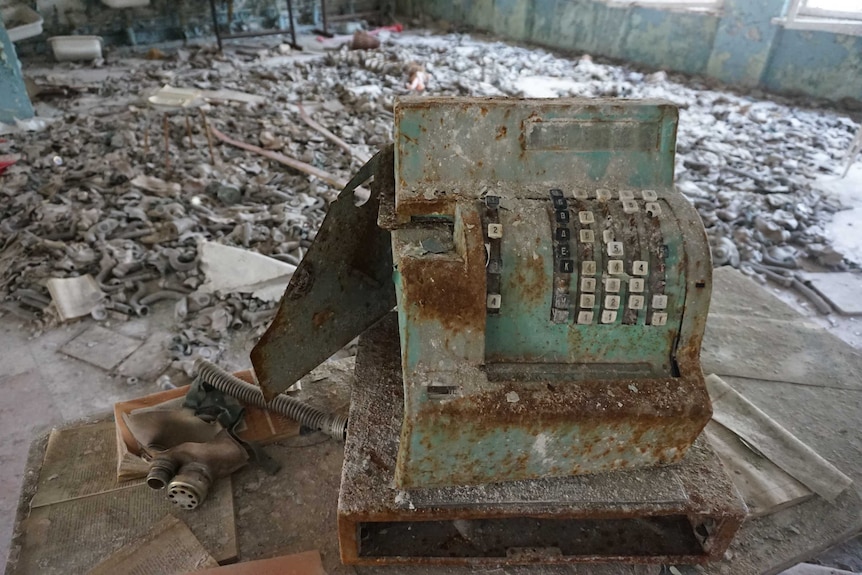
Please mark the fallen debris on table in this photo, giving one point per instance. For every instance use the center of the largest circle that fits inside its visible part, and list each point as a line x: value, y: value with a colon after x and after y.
x: 733, y: 411
x: 307, y: 563
x: 263, y: 277
x: 74, y: 297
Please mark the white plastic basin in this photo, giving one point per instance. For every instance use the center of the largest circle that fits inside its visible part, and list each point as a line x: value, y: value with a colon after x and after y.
x: 21, y: 22
x: 76, y: 47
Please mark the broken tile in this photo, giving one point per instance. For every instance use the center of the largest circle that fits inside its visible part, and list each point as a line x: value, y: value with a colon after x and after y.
x: 101, y: 347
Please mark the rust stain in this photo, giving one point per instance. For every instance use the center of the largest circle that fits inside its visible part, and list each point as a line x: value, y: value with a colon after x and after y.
x: 451, y: 292
x: 501, y: 132
x: 321, y: 317
x: 409, y: 207
x: 529, y: 279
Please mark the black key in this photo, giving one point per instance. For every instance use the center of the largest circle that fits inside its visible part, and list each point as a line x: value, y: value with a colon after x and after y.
x: 556, y: 193
x: 560, y: 203
x: 563, y: 234
x: 493, y: 202
x: 563, y: 251
x: 562, y: 216
x: 567, y: 266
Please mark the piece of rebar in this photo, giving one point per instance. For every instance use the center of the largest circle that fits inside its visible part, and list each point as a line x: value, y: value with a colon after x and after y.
x: 332, y: 137
x: 209, y: 135
x: 333, y: 181
x: 167, y: 143
x: 189, y: 130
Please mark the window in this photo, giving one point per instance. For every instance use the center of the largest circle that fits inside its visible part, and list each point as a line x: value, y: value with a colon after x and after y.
x: 849, y: 9
x: 685, y: 5
x: 842, y: 16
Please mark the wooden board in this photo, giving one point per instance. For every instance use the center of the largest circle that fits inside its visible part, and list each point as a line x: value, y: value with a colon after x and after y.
x: 73, y: 535
x: 168, y: 548
x: 307, y: 563
x: 88, y: 473
x: 764, y: 486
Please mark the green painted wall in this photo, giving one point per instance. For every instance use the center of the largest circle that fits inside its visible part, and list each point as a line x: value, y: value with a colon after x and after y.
x: 740, y: 45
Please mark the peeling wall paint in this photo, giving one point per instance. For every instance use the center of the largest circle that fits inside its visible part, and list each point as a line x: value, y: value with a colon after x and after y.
x: 14, y: 102
x: 741, y: 48
x: 740, y: 45
x: 821, y: 64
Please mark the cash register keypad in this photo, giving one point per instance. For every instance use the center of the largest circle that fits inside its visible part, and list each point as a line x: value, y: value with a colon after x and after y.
x: 619, y: 272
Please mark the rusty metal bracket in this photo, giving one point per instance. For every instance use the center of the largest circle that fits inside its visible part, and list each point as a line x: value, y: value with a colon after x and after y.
x: 341, y: 288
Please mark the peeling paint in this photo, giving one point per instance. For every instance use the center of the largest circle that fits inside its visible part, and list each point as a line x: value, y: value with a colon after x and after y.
x: 14, y: 102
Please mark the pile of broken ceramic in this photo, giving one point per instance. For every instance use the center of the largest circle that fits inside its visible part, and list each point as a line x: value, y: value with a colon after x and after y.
x: 109, y: 195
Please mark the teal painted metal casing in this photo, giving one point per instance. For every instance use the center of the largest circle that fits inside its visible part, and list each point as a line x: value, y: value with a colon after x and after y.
x: 14, y: 101
x: 552, y: 290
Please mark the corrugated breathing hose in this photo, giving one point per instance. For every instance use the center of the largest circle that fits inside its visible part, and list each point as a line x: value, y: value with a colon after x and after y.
x: 333, y: 425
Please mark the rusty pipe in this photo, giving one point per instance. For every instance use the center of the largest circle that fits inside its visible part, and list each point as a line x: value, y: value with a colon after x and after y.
x: 333, y: 425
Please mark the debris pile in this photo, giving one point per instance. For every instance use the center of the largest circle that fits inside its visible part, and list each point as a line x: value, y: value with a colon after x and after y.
x: 127, y: 194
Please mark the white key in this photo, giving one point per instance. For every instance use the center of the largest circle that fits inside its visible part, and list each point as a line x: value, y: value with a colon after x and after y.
x: 653, y: 209
x: 588, y: 300
x: 636, y: 302
x: 495, y: 231
x: 494, y: 300
x: 588, y: 267
x: 640, y: 268
x: 615, y: 267
x: 588, y: 284
x: 607, y: 236
x: 649, y: 195
x: 587, y: 236
x: 612, y: 302
x: 586, y: 217
x: 615, y: 249
x: 612, y: 285
x: 636, y: 285
x: 630, y: 207
x: 585, y: 317
x: 603, y: 194
x: 659, y: 301
x: 659, y: 318
x: 627, y: 195
x: 609, y: 316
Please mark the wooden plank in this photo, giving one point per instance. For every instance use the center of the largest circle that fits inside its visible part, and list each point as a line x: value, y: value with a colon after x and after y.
x: 168, y: 548
x: 764, y: 486
x: 78, y: 463
x: 307, y: 563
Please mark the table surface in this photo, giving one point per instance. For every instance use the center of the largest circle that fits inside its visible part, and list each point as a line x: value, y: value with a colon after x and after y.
x: 295, y: 510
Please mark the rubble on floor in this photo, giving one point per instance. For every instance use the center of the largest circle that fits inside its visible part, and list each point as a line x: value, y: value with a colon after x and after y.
x: 109, y: 193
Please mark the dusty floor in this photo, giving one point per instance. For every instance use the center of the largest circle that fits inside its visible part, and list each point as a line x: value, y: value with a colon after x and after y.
x: 43, y: 387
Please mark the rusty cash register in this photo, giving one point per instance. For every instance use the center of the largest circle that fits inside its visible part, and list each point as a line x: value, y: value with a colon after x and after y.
x: 537, y: 396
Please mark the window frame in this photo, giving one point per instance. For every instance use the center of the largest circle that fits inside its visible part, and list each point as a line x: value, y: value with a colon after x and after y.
x: 802, y: 9
x: 800, y: 17
x: 699, y: 6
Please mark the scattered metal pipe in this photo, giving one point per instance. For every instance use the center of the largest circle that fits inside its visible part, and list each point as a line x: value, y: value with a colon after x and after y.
x: 333, y: 425
x: 161, y: 295
x: 820, y: 304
